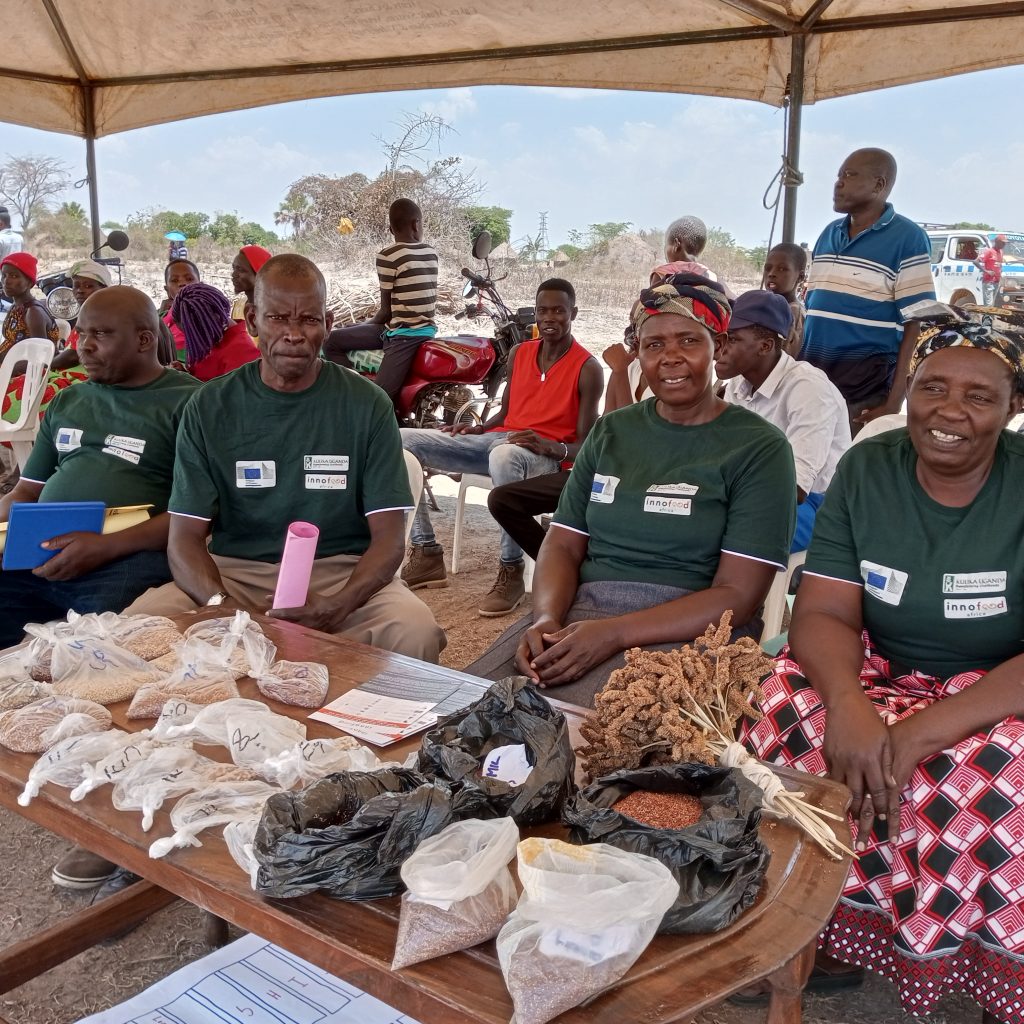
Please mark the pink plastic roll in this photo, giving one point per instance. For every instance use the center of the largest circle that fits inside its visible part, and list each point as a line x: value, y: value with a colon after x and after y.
x: 296, y: 565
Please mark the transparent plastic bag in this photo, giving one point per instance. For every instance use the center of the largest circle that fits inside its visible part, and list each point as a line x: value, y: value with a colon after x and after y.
x: 585, y: 916
x: 303, y: 684
x: 313, y: 759
x: 39, y: 650
x: 460, y: 890
x: 239, y: 837
x: 175, y: 711
x: 17, y: 692
x: 38, y: 726
x: 134, y: 747
x: 148, y: 782
x: 253, y: 737
x: 209, y: 725
x: 95, y: 668
x: 228, y: 636
x: 206, y: 808
x: 64, y: 763
x: 152, y: 698
x: 147, y: 636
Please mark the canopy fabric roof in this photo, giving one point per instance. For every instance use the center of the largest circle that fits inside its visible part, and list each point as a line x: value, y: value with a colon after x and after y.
x: 95, y: 67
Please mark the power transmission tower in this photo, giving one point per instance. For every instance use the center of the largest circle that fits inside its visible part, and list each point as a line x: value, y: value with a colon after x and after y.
x: 542, y: 234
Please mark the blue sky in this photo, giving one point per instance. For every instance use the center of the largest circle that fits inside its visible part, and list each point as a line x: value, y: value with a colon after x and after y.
x: 584, y: 155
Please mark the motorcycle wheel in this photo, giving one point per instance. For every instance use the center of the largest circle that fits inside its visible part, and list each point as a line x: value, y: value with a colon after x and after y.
x: 439, y: 404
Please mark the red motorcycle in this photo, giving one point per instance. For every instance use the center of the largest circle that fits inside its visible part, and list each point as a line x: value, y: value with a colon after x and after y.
x: 440, y: 386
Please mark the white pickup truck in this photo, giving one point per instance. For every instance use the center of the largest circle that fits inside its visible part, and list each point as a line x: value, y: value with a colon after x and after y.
x: 958, y: 280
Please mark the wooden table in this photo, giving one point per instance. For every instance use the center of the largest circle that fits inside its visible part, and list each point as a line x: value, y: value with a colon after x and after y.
x: 676, y: 977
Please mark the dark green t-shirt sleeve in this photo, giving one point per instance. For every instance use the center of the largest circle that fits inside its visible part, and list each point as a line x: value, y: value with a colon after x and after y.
x: 762, y: 503
x: 385, y: 483
x: 833, y: 552
x: 193, y: 492
x: 42, y: 461
x: 572, y: 505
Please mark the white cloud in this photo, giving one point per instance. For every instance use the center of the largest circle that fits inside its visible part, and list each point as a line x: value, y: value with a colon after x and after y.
x: 454, y: 104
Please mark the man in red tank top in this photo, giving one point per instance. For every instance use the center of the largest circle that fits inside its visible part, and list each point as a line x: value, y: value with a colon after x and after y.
x: 549, y: 405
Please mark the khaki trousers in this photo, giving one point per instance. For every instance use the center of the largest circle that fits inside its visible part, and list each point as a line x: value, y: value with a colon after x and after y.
x: 394, y: 619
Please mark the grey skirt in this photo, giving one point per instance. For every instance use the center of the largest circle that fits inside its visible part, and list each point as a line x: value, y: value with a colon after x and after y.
x: 603, y: 600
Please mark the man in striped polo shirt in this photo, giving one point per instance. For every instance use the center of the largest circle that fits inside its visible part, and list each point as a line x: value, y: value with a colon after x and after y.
x: 407, y: 272
x: 867, y: 269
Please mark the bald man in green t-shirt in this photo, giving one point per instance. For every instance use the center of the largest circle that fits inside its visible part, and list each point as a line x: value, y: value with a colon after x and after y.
x: 289, y: 438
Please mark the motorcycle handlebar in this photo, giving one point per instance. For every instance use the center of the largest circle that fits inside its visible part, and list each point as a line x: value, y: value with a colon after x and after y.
x: 475, y: 278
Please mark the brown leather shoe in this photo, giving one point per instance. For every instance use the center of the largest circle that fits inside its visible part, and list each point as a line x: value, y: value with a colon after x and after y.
x: 425, y: 567
x: 507, y: 593
x: 80, y: 869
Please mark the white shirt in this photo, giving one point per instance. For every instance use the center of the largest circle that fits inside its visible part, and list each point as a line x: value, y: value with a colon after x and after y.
x: 634, y: 373
x: 10, y: 241
x: 809, y: 409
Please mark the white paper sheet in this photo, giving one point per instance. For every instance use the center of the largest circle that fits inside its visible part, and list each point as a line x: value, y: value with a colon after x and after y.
x: 374, y: 718
x: 251, y: 981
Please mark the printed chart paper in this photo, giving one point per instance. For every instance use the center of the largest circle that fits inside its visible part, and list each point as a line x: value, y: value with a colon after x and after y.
x: 251, y: 981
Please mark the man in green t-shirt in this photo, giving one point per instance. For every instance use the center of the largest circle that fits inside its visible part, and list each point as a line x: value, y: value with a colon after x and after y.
x: 110, y: 439
x: 326, y: 451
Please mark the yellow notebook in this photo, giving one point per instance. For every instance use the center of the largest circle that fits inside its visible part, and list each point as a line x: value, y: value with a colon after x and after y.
x: 115, y: 520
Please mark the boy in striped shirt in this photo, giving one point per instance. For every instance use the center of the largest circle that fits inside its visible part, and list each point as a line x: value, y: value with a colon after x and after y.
x: 407, y: 272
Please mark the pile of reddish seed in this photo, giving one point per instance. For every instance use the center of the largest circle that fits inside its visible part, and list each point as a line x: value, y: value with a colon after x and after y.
x: 660, y: 810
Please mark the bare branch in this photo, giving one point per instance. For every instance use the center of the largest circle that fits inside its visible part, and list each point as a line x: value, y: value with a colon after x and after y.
x: 29, y: 183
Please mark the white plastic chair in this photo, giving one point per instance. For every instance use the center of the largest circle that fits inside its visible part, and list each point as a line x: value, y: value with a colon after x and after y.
x: 37, y: 353
x: 484, y: 483
x: 775, y: 602
x: 415, y: 471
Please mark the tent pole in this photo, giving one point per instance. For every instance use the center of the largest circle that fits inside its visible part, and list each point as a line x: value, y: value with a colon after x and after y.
x: 793, y: 177
x: 89, y: 101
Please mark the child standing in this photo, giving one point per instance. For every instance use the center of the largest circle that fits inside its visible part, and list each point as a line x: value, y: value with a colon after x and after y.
x: 785, y: 269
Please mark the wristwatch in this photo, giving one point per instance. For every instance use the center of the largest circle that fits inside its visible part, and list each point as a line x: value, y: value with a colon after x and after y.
x: 219, y: 598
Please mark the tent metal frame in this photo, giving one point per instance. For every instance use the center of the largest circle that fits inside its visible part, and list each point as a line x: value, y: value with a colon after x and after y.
x: 774, y: 25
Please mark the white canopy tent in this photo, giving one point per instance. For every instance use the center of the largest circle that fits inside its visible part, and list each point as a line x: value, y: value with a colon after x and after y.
x: 95, y: 67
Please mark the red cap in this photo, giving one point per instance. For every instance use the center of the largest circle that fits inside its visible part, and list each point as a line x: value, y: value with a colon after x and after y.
x: 256, y: 255
x: 25, y: 262
x: 1000, y: 238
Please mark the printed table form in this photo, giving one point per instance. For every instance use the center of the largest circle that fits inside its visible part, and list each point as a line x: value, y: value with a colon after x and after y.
x: 251, y: 981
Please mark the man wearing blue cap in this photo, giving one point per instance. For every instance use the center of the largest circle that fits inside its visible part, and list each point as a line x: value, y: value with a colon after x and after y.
x: 795, y: 396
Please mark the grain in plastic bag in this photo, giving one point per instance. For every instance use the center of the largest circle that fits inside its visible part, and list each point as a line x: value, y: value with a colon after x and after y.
x: 134, y: 747
x: 148, y: 782
x: 214, y: 805
x: 146, y: 636
x: 228, y: 635
x: 38, y: 726
x: 191, y: 684
x: 303, y: 684
x: 97, y: 669
x: 64, y: 764
x: 585, y: 916
x: 253, y: 737
x: 176, y: 711
x: 309, y: 760
x: 460, y: 890
x: 210, y: 725
x: 39, y: 650
x: 17, y: 692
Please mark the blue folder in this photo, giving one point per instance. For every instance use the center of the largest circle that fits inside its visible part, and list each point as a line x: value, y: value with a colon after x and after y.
x: 31, y: 524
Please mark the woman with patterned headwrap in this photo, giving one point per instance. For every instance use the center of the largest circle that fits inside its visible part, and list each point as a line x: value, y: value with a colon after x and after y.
x: 904, y: 679
x: 214, y: 343
x: 677, y: 508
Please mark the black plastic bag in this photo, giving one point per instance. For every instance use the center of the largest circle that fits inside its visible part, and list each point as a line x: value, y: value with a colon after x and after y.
x: 511, y: 712
x: 719, y: 861
x: 348, y: 834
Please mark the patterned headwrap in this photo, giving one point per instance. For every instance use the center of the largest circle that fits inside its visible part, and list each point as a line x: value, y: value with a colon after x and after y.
x: 988, y: 328
x: 688, y: 295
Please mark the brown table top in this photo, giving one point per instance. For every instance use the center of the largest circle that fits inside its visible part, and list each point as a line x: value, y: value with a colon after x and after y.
x: 676, y: 977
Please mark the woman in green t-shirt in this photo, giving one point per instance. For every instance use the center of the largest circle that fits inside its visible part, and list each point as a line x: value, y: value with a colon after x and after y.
x: 905, y: 676
x: 677, y: 509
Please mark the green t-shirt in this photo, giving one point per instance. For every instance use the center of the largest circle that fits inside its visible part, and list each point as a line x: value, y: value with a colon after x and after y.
x: 943, y: 587
x: 252, y: 460
x: 101, y: 442
x: 660, y: 503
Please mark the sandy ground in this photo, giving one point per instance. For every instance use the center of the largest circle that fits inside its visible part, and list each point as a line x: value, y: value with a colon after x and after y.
x: 107, y: 975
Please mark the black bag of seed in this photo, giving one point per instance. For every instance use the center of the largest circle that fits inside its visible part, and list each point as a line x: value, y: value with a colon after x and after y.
x: 510, y: 733
x: 348, y: 834
x: 718, y: 860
